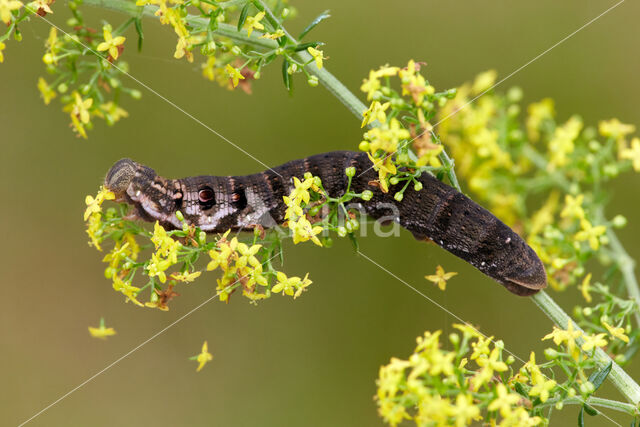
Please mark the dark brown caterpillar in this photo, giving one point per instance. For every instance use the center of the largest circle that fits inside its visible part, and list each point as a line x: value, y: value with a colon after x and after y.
x: 437, y: 212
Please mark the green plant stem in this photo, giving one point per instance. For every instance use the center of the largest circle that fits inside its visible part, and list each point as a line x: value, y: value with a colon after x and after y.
x: 623, y: 382
x: 627, y: 408
x: 618, y: 376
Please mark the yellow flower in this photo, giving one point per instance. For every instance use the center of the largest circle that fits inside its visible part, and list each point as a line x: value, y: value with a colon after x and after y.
x: 539, y: 112
x: 37, y: 5
x: 45, y: 90
x: 113, y: 112
x: 430, y: 157
x: 208, y: 69
x: 186, y: 277
x: 590, y: 233
x: 591, y: 341
x: 632, y: 154
x: 484, y: 81
x: 233, y: 74
x: 573, y: 207
x: 94, y: 205
x: 370, y: 85
x: 101, y: 332
x: 384, y: 166
x: 317, y: 56
x: 204, y: 357
x: 585, y: 287
x: 504, y: 401
x: 273, y: 36
x: 6, y: 7
x: 292, y: 286
x: 128, y: 290
x: 2, y: 47
x: 303, y: 231
x: 375, y: 112
x: 616, y: 332
x: 569, y: 337
x: 615, y: 129
x: 110, y: 43
x: 541, y: 386
x: 253, y: 22
x: 183, y: 48
x: 79, y: 109
x: 440, y: 278
x: 562, y: 142
x: 464, y: 411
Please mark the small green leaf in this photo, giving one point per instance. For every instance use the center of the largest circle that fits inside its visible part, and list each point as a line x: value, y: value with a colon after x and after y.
x: 324, y: 15
x: 581, y: 418
x: 598, y: 377
x: 286, y: 77
x: 590, y: 410
x: 304, y: 46
x: 243, y: 16
x: 138, y: 23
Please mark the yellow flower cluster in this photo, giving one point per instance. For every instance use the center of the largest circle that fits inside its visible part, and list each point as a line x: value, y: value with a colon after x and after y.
x: 562, y: 142
x: 297, y: 221
x: 568, y: 339
x: 93, y: 215
x: 383, y: 141
x: 166, y: 254
x: 79, y: 111
x: 426, y: 387
x: 239, y: 265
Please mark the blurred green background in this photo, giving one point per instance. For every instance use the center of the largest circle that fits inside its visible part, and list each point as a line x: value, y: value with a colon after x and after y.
x: 309, y: 362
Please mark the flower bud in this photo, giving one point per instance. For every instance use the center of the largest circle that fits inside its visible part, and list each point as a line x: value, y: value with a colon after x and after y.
x: 394, y: 180
x: 551, y: 354
x: 62, y: 87
x: 202, y: 237
x: 364, y: 146
x: 314, y: 210
x: 313, y: 81
x: 17, y: 35
x: 366, y: 195
x: 342, y: 231
x: 47, y: 58
x: 355, y: 225
x: 179, y: 216
x: 454, y: 338
x: 514, y: 94
x: 587, y: 387
x: 327, y: 242
x: 398, y: 196
x: 236, y: 50
x: 587, y: 311
x: 285, y: 12
x: 403, y: 158
x: 279, y: 51
x: 350, y: 171
x: 619, y: 221
x: 417, y: 186
x: 135, y: 94
x: 559, y: 405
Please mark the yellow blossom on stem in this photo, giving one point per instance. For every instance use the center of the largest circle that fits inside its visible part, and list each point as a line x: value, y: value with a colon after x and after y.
x: 203, y: 358
x: 568, y: 337
x: 504, y: 401
x: 484, y: 81
x: 6, y: 7
x: 45, y: 90
x: 208, y: 69
x: 101, y: 332
x: 573, y: 207
x: 632, y: 154
x: 489, y: 364
x: 317, y: 56
x: 616, y: 332
x: 128, y: 290
x: 538, y: 113
x: 370, y: 85
x: 292, y: 286
x: 384, y: 166
x: 375, y: 112
x: 186, y: 276
x: 592, y: 341
x: 585, y: 287
x: 253, y: 23
x: 440, y: 278
x: 590, y: 233
x: 94, y: 205
x: 273, y: 36
x: 615, y: 129
x: 464, y: 411
x: 233, y: 74
x: 110, y: 43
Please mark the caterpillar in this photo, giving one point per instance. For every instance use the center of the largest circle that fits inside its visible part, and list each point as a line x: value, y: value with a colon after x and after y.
x: 437, y: 212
